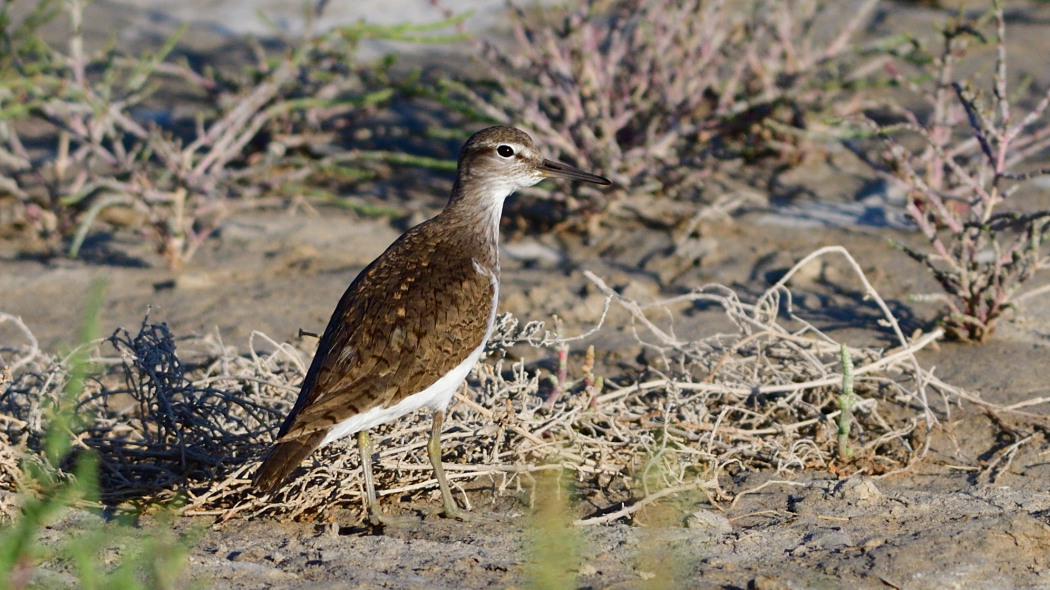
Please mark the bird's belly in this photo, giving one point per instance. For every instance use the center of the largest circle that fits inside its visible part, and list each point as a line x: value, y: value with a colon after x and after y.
x: 436, y: 397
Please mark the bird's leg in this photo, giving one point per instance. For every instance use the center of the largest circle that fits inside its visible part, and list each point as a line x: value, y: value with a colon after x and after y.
x: 434, y: 451
x: 364, y: 443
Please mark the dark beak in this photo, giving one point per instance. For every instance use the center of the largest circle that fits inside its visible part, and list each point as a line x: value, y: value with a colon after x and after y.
x: 552, y: 168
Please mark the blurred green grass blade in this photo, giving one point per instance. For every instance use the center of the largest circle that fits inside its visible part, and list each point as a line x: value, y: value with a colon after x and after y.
x: 63, y: 414
x: 406, y: 32
x: 553, y: 544
x: 56, y: 492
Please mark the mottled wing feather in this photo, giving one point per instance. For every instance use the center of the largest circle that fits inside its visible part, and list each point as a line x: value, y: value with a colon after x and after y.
x: 393, y: 334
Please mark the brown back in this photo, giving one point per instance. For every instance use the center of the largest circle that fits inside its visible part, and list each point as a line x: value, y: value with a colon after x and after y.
x: 402, y: 324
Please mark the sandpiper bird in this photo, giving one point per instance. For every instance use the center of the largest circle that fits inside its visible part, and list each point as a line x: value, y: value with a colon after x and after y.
x: 413, y: 323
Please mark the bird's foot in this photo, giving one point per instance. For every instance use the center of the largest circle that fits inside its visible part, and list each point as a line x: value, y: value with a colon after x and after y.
x: 377, y: 518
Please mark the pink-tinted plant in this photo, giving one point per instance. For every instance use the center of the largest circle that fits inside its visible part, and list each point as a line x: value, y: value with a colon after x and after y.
x: 266, y: 129
x: 645, y: 91
x: 961, y: 178
x: 561, y: 383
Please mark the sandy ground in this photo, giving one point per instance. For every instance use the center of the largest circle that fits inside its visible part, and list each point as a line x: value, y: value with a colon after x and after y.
x: 948, y: 523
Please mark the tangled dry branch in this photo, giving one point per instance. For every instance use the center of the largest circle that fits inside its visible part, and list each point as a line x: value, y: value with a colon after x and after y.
x: 763, y: 397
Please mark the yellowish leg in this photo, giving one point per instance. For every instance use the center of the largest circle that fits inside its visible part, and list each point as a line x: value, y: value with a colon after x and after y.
x: 434, y: 452
x: 364, y: 443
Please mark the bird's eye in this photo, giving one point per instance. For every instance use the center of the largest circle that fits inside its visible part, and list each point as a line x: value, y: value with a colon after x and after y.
x: 505, y: 150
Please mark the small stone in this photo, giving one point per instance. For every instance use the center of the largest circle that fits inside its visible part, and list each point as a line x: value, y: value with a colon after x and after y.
x: 709, y: 521
x: 857, y: 490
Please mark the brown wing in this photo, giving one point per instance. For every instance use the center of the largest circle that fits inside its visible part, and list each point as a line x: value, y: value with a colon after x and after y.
x: 398, y: 328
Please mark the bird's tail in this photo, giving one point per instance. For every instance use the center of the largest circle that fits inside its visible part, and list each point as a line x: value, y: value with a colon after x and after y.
x: 282, y: 459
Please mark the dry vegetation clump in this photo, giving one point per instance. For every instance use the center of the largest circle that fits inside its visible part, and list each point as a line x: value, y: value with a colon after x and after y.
x: 151, y: 428
x: 183, y: 429
x: 975, y: 150
x: 10, y: 478
x: 27, y: 375
x: 648, y: 92
x: 763, y: 397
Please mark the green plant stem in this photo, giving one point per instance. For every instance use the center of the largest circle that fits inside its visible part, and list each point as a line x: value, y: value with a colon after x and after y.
x: 847, y: 401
